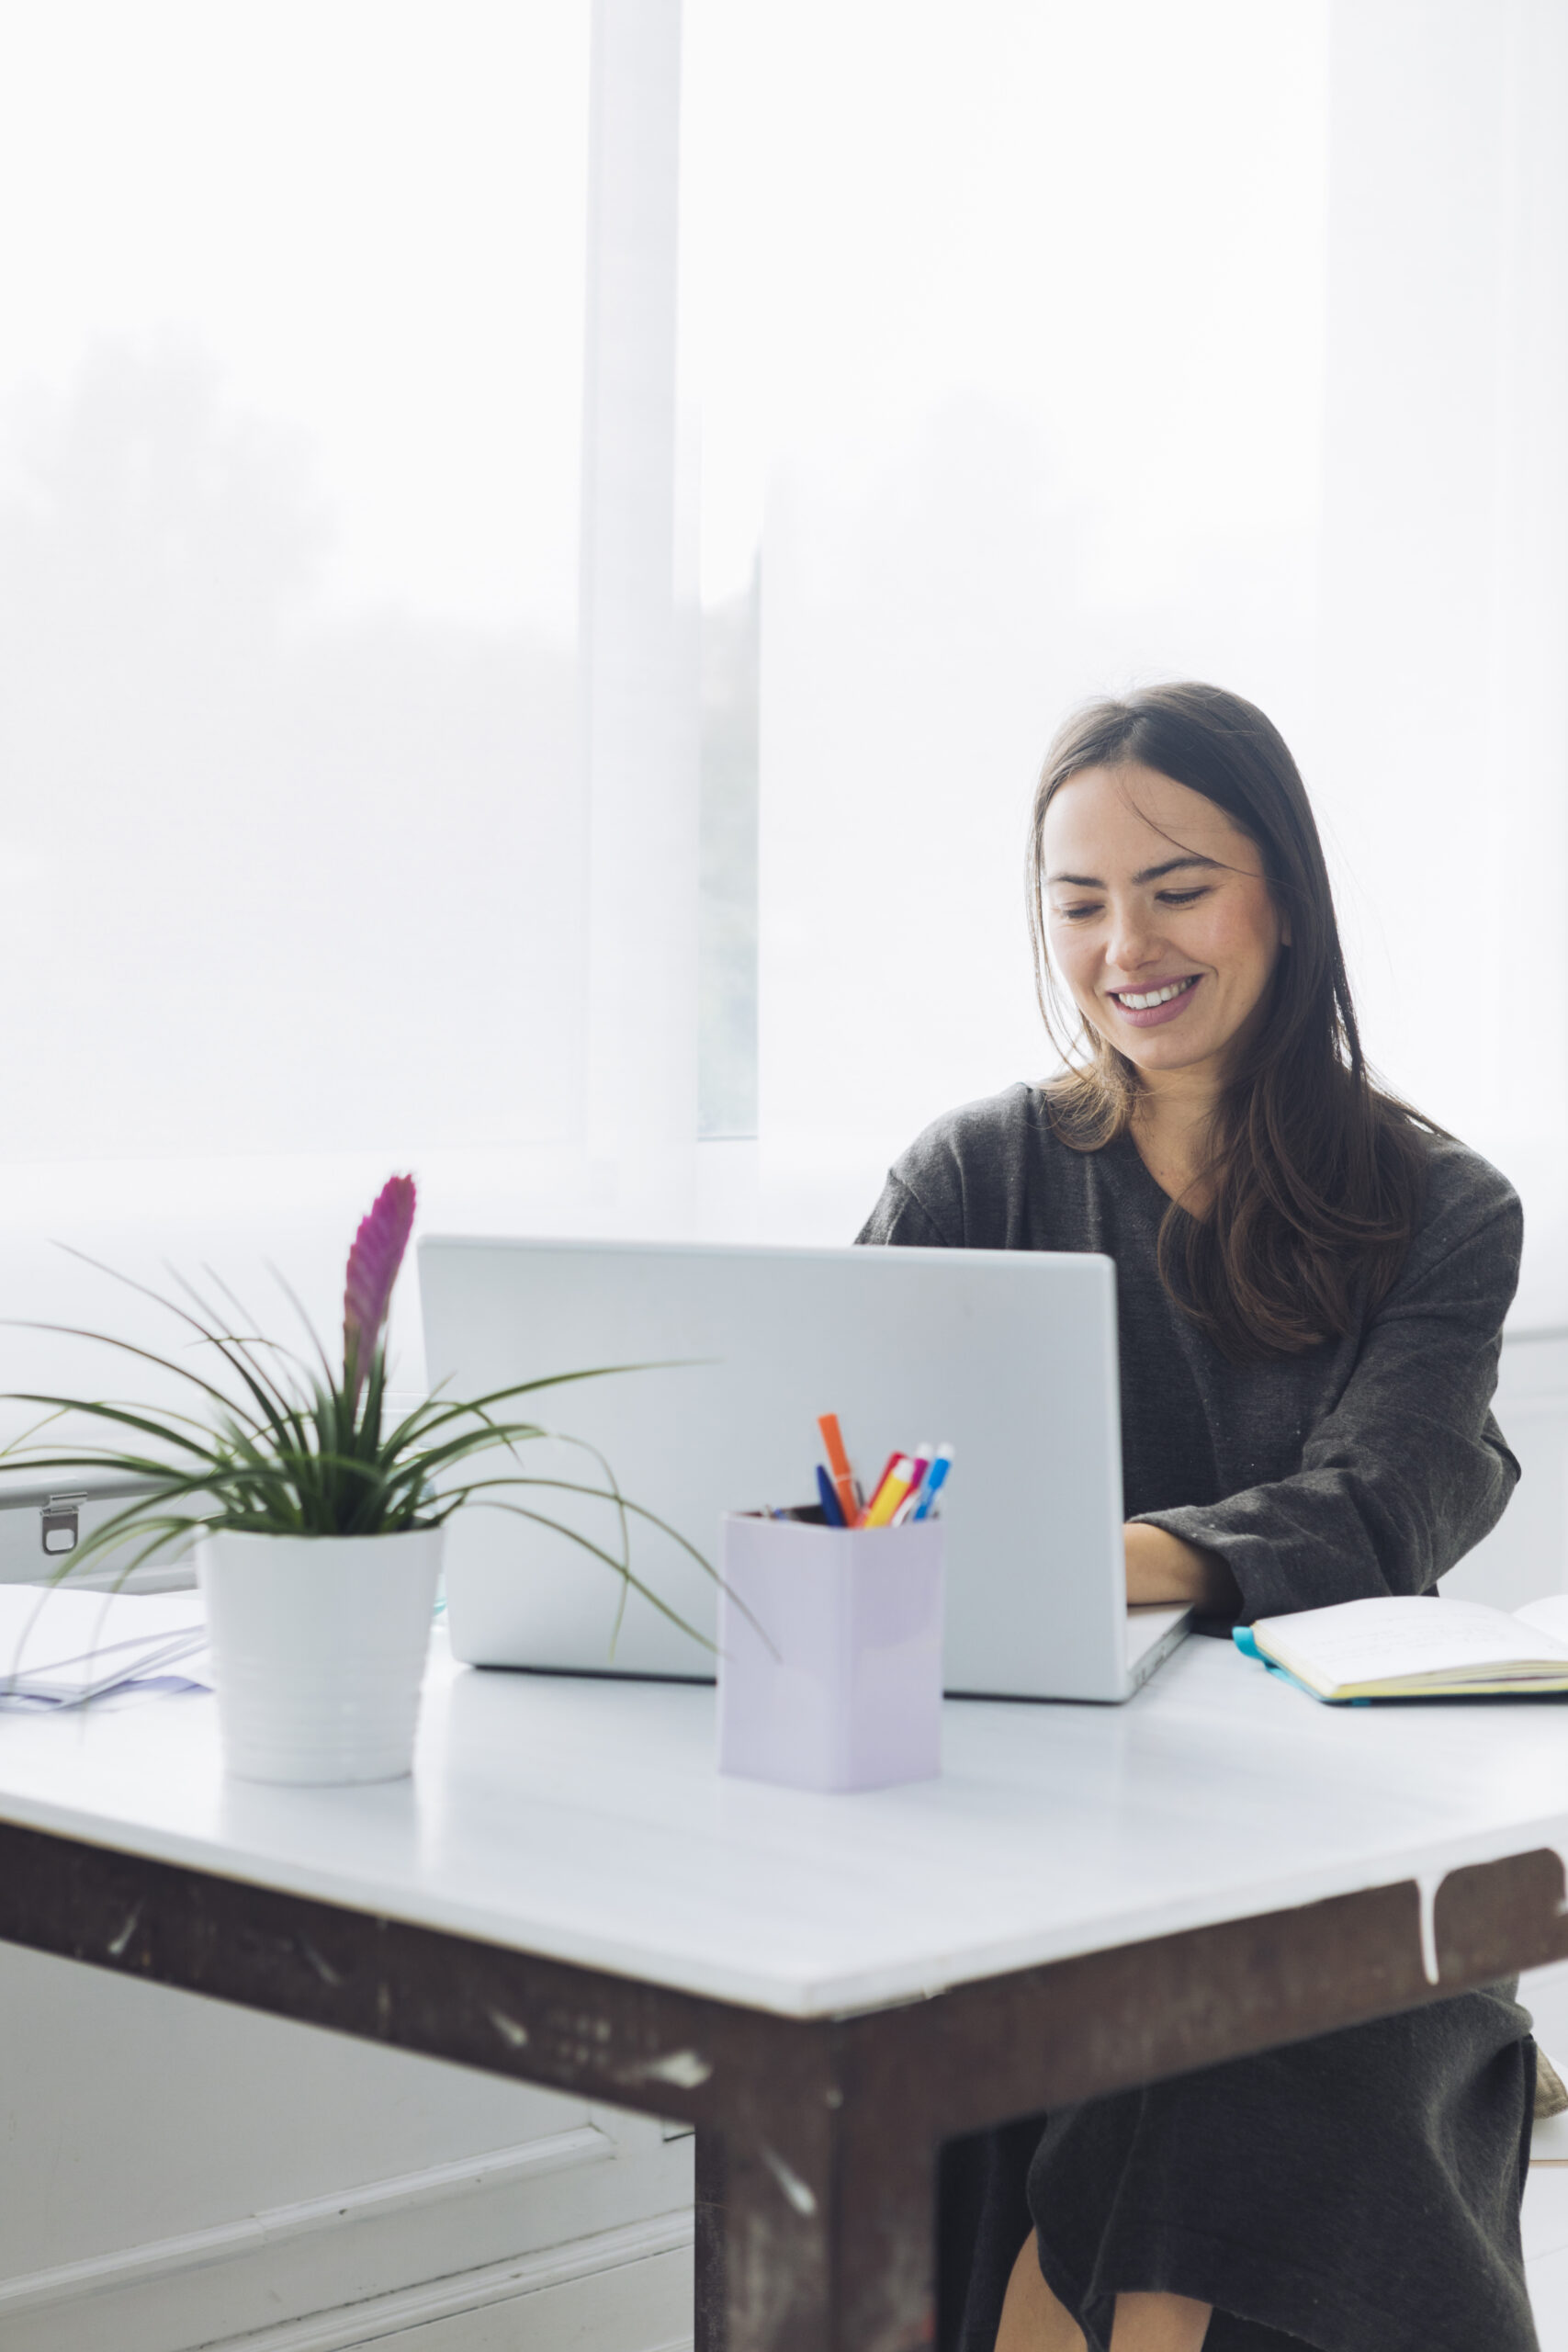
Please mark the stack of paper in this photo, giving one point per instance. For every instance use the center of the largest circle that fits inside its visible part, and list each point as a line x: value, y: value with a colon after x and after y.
x: 59, y: 1648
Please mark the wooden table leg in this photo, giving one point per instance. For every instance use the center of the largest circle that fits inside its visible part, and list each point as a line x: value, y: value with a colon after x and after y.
x: 820, y: 2241
x: 707, y: 2254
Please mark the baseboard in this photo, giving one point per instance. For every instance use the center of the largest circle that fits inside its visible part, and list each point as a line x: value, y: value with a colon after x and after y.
x: 633, y: 2294
x: 283, y: 2228
x: 413, y: 2253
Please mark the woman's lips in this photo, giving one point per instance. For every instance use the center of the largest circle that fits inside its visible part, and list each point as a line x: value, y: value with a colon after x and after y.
x: 1153, y: 1016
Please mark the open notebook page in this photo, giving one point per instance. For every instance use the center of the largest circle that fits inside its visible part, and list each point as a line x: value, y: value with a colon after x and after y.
x: 1373, y: 1641
x: 1549, y: 1616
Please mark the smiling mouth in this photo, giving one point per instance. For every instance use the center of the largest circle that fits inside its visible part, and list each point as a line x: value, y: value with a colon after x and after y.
x: 1151, y: 999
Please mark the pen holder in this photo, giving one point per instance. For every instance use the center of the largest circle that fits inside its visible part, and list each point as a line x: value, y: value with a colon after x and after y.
x: 845, y: 1691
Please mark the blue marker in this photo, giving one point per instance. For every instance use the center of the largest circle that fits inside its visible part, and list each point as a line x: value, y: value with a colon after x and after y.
x: 832, y: 1509
x: 935, y: 1478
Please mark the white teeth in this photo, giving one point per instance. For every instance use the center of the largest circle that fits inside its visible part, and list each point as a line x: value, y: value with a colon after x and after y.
x: 1148, y: 1004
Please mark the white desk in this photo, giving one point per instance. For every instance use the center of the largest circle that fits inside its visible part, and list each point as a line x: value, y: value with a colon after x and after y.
x: 826, y: 1986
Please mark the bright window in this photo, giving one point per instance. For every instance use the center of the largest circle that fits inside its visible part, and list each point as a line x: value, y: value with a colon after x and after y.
x: 355, y: 815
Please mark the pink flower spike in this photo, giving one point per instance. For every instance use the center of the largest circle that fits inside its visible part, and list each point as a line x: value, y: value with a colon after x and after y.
x: 373, y: 1264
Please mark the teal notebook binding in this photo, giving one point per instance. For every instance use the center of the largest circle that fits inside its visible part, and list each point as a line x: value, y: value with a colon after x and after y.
x: 1242, y: 1637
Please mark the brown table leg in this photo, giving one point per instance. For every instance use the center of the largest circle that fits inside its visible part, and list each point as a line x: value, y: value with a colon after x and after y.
x: 707, y: 2253
x: 820, y: 2241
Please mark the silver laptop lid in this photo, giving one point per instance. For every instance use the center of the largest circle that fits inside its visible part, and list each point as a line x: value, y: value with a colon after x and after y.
x: 1010, y: 1356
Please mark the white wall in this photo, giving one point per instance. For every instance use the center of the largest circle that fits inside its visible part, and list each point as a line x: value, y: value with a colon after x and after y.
x: 175, y: 2173
x: 1527, y: 1552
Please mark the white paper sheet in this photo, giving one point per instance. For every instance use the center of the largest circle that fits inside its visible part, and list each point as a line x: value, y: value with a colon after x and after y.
x: 59, y: 1648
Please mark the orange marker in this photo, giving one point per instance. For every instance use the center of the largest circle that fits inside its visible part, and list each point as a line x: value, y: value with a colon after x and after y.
x: 891, y: 1492
x: 838, y: 1463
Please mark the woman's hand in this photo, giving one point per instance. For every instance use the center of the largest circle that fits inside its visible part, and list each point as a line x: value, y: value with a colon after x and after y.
x: 1162, y: 1568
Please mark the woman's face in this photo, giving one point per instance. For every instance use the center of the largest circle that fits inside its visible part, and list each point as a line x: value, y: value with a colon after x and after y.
x: 1159, y: 918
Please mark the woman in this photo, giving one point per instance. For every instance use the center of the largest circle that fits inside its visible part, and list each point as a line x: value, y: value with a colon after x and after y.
x: 1312, y: 1283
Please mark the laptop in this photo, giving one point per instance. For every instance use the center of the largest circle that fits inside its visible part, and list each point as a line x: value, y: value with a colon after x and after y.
x: 1010, y: 1356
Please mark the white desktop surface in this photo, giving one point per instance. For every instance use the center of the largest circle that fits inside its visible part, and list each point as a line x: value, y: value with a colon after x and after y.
x: 585, y: 1821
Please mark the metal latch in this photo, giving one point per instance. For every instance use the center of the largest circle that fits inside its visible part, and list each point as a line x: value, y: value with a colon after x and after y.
x: 60, y: 1524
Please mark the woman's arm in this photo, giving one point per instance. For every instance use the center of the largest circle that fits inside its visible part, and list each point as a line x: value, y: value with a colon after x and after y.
x: 1409, y: 1470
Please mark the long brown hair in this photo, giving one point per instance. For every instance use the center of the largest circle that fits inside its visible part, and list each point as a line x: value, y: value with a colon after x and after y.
x: 1316, y: 1176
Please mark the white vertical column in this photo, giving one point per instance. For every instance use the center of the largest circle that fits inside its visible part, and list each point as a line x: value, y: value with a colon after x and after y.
x: 638, y: 643
x: 1445, y: 740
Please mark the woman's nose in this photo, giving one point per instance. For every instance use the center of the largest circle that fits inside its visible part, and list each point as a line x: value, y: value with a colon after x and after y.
x: 1131, y: 939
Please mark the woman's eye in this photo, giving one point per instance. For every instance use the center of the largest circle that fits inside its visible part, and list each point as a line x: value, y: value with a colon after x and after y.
x: 1182, y: 897
x: 1077, y: 914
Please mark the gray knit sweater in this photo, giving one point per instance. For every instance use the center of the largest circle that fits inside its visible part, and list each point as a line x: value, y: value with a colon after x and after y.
x: 1367, y: 1466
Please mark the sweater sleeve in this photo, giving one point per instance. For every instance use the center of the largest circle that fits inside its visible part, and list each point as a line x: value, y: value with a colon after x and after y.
x: 1408, y: 1469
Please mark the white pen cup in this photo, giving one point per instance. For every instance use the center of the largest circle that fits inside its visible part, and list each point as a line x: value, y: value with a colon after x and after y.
x: 829, y: 1638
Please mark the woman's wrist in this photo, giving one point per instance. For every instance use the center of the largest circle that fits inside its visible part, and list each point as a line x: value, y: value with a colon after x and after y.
x: 1161, y: 1567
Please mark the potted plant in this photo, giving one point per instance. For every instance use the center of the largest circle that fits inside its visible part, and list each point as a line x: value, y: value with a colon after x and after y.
x: 318, y: 1530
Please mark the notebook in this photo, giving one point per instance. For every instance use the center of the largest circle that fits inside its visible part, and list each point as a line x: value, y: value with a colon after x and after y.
x: 1421, y: 1648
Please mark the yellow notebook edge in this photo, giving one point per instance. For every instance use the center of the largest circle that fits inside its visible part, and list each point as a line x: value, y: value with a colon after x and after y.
x: 1538, y: 1675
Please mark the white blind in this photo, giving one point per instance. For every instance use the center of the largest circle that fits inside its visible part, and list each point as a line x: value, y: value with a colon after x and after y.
x: 1051, y: 350
x: 291, y: 329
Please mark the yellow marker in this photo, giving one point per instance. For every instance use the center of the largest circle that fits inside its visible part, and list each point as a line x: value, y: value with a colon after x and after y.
x: 891, y: 1493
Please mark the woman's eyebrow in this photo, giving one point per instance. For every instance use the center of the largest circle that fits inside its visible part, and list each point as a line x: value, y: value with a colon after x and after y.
x: 1149, y: 874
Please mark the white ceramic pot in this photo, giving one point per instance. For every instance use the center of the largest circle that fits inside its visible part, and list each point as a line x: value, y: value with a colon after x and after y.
x: 318, y: 1645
